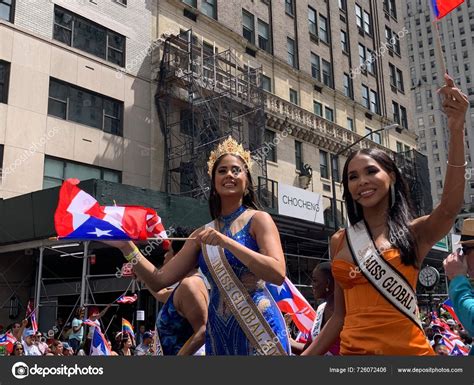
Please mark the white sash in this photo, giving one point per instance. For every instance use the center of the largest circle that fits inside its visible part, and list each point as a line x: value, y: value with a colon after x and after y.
x: 236, y: 296
x: 385, y: 279
x: 318, y: 321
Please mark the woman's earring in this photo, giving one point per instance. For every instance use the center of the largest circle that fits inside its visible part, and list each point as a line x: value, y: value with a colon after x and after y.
x: 392, y: 194
x: 327, y: 289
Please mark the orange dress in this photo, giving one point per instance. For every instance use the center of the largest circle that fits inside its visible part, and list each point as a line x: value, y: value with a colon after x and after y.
x: 372, y: 325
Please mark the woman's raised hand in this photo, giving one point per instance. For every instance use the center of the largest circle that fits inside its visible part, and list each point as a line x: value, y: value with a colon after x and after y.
x: 455, y: 104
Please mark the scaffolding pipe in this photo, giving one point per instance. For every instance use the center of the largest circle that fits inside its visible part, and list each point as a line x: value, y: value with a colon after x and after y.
x: 84, y: 274
x: 38, y: 282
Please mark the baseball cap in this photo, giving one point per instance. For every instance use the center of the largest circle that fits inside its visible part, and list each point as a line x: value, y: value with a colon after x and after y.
x: 147, y: 335
x: 29, y: 333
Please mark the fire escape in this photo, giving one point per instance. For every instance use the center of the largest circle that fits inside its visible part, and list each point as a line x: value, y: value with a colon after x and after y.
x: 203, y: 97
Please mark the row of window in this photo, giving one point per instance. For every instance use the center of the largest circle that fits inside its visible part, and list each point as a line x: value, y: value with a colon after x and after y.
x: 208, y: 7
x: 263, y: 29
x: 80, y: 33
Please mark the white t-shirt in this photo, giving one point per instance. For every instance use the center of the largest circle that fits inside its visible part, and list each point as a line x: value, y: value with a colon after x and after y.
x: 31, y: 350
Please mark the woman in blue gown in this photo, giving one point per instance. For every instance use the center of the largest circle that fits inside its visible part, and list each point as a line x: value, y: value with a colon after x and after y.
x: 238, y: 252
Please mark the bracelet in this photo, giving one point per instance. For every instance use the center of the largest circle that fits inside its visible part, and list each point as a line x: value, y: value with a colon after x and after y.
x: 454, y: 165
x: 135, y: 253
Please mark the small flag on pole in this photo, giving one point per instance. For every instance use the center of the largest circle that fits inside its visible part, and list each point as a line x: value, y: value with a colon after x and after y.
x: 442, y: 7
x: 30, y: 313
x: 127, y: 299
x: 127, y: 327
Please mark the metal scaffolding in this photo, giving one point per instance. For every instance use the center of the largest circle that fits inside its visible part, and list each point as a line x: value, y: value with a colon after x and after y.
x: 204, y: 96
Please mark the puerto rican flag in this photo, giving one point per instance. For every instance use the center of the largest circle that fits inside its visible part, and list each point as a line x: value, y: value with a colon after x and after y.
x: 448, y: 305
x: 79, y: 216
x: 442, y: 7
x: 99, y: 346
x: 7, y: 340
x: 127, y: 299
x: 290, y: 300
x: 30, y: 313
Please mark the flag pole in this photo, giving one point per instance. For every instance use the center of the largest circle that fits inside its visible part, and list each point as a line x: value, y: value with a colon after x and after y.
x: 438, y: 45
x: 135, y: 240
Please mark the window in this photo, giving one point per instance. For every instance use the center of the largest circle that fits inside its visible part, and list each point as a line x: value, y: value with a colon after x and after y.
x: 315, y: 66
x: 335, y: 168
x: 323, y: 29
x: 396, y: 112
x: 323, y: 164
x: 248, y: 26
x: 57, y: 170
x: 7, y: 10
x: 293, y: 96
x: 436, y: 157
x: 390, y: 7
x: 192, y: 3
x: 4, y: 81
x: 266, y: 83
x: 393, y: 75
x: 439, y: 184
x: 350, y: 124
x: 374, y: 102
x: 375, y: 136
x: 400, y: 85
x: 329, y: 114
x: 79, y: 105
x: 327, y: 74
x: 344, y: 44
x: 399, y: 147
x: 298, y: 155
x: 270, y: 140
x: 209, y: 8
x: 371, y: 67
x: 367, y: 23
x: 312, y: 23
x: 403, y: 117
x: 317, y: 108
x: 365, y: 96
x: 88, y: 36
x: 264, y: 36
x: 434, y: 144
x: 362, y: 57
x: 437, y: 171
x: 348, y: 88
x: 289, y: 7
x: 343, y: 5
x: 291, y: 52
x: 359, y: 20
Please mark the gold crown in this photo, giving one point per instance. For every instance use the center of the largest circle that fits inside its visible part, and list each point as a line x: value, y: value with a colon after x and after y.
x: 228, y: 147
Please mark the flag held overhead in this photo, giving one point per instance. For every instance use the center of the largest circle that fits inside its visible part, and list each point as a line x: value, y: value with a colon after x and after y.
x: 442, y: 7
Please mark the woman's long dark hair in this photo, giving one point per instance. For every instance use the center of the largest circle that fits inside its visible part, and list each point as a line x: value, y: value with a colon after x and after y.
x: 249, y: 200
x: 400, y: 214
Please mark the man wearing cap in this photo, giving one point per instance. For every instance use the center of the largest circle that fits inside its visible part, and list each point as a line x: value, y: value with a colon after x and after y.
x: 29, y: 345
x: 146, y: 347
x: 457, y: 268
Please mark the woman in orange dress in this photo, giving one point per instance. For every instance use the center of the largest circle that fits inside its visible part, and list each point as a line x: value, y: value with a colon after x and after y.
x: 375, y: 192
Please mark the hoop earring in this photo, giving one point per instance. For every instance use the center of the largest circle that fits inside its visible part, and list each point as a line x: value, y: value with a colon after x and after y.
x: 392, y: 195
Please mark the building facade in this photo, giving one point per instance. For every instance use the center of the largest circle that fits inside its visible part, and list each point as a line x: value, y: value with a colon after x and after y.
x: 76, y: 93
x: 456, y: 32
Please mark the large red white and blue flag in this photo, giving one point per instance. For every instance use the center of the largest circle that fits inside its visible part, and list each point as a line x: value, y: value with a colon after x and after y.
x: 290, y: 300
x: 79, y: 216
x: 442, y: 7
x: 99, y: 346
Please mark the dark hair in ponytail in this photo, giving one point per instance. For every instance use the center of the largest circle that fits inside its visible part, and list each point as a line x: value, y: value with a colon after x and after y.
x: 249, y: 200
x: 400, y: 213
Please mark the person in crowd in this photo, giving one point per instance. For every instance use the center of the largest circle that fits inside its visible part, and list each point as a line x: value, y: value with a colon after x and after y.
x: 57, y: 348
x: 29, y: 343
x: 77, y: 333
x: 125, y: 347
x: 237, y: 252
x: 146, y: 347
x: 376, y: 260
x: 94, y: 316
x: 457, y: 267
x: 18, y: 349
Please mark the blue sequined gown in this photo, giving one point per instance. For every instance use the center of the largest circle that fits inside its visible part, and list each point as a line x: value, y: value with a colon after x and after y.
x: 223, y: 333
